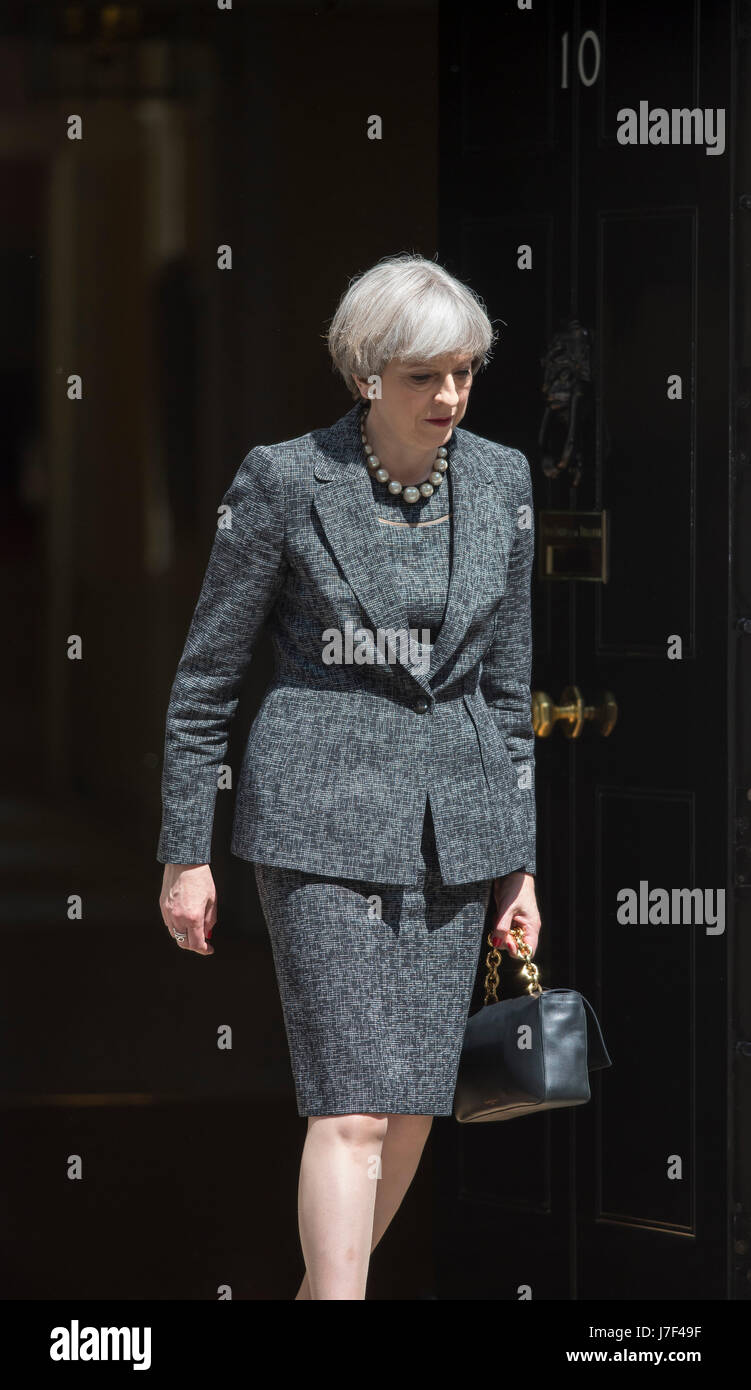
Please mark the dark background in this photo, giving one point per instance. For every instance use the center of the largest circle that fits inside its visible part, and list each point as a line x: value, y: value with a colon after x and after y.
x: 248, y: 128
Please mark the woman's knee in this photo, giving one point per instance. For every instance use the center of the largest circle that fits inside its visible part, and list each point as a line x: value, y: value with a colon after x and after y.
x: 355, y: 1129
x: 409, y: 1129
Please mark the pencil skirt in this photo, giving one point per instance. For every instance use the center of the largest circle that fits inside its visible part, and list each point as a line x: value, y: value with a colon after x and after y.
x: 375, y: 984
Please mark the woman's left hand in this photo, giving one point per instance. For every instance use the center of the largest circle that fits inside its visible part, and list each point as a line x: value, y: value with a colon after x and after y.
x: 516, y: 906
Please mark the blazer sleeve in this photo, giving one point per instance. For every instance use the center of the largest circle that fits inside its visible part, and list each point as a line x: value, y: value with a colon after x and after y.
x: 244, y: 576
x: 507, y: 666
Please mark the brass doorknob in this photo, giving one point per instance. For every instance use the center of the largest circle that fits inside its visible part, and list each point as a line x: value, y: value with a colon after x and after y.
x: 572, y: 713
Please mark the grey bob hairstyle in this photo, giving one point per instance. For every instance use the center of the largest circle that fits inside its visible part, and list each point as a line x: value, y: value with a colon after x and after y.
x: 410, y: 309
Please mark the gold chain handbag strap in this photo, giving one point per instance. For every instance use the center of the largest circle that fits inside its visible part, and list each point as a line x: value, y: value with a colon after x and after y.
x: 493, y: 960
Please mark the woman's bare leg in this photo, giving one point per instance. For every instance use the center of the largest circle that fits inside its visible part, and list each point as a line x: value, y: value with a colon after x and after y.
x: 340, y: 1166
x: 400, y: 1155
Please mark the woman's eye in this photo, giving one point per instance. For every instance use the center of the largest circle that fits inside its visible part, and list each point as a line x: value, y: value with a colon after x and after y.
x: 463, y: 372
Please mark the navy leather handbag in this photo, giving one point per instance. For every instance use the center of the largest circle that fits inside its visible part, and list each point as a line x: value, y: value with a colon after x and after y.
x: 532, y: 1053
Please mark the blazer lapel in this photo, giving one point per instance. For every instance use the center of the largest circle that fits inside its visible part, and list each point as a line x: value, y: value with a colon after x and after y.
x: 343, y: 500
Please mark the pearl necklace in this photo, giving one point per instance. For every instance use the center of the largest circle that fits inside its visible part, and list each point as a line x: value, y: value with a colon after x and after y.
x: 409, y: 494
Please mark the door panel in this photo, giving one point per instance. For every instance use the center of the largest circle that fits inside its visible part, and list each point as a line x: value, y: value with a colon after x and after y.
x: 628, y: 1196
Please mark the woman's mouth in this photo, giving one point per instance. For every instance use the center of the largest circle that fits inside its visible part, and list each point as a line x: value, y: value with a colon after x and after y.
x: 438, y: 420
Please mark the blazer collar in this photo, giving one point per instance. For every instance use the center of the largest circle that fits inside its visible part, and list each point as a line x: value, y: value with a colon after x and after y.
x: 342, y: 497
x: 340, y: 451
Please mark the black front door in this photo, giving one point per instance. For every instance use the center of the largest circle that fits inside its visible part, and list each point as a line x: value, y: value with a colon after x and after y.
x: 552, y: 217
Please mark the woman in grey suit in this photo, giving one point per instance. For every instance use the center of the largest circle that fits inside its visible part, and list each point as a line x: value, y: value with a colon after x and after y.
x: 387, y: 784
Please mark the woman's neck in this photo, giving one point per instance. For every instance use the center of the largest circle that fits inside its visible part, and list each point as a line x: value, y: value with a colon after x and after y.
x: 408, y: 466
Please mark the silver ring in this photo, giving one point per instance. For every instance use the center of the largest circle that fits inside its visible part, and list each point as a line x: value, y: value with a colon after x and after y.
x: 179, y: 938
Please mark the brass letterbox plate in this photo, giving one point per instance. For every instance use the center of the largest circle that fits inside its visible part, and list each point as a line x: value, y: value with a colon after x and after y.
x: 572, y: 545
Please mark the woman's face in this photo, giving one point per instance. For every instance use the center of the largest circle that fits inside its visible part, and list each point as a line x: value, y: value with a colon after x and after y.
x: 414, y: 395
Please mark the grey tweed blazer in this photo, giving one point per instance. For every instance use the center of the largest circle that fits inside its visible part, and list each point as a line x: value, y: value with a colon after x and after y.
x: 341, y: 755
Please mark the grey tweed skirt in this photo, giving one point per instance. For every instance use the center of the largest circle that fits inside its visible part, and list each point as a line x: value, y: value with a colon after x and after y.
x: 375, y: 984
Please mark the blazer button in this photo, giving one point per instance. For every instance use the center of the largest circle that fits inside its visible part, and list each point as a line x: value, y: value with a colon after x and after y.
x: 421, y: 707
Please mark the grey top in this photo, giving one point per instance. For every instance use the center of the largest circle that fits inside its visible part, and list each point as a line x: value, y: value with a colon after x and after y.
x: 344, y: 750
x: 416, y: 539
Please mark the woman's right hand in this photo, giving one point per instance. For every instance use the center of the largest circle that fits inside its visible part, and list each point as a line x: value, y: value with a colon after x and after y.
x: 188, y: 905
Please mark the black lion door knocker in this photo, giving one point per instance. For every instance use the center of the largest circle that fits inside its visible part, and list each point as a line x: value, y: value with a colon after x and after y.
x: 567, y: 388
